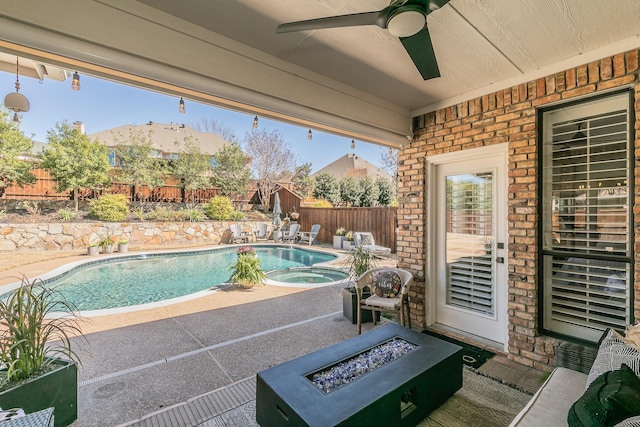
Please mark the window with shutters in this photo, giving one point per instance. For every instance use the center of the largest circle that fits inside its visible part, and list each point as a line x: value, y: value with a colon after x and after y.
x: 587, y: 246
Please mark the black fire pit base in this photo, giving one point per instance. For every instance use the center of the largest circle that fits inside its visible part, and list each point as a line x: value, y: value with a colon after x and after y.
x: 400, y: 393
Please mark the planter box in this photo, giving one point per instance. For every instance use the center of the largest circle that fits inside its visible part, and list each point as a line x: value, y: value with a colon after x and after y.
x: 347, y: 245
x: 123, y: 248
x: 57, y: 389
x: 400, y: 393
x: 350, y: 306
x: 337, y: 242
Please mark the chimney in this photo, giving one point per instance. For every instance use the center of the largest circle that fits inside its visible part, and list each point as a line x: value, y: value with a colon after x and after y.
x: 79, y: 126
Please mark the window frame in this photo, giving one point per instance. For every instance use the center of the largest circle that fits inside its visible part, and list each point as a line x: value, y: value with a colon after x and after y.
x: 544, y: 211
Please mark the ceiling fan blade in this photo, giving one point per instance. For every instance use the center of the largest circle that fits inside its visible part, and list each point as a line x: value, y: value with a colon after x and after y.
x: 420, y: 49
x: 356, y: 19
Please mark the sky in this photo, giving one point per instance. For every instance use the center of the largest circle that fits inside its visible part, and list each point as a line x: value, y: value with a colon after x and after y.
x: 102, y: 105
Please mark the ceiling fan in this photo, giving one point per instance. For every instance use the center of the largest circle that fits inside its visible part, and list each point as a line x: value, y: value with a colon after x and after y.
x: 406, y: 19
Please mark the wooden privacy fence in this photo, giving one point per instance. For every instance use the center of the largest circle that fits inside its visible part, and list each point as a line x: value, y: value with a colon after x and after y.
x: 44, y: 189
x: 379, y: 221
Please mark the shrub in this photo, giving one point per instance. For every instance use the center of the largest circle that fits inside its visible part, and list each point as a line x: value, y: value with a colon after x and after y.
x: 140, y: 214
x: 32, y: 206
x: 237, y: 216
x: 219, y: 208
x: 110, y: 207
x: 322, y: 203
x: 196, y: 214
x: 66, y: 215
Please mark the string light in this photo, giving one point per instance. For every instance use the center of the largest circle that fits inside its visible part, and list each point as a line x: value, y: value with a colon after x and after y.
x: 309, y: 135
x: 181, y: 107
x: 75, y: 82
x: 255, y: 122
x: 353, y: 144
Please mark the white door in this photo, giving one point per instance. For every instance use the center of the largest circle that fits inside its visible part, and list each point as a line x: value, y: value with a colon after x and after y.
x: 469, y: 247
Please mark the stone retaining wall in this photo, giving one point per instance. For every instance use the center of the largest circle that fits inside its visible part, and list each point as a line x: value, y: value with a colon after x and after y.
x: 69, y: 236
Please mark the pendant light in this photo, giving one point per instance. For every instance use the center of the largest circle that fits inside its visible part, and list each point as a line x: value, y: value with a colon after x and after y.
x: 15, y: 101
x: 309, y: 135
x: 255, y: 122
x: 353, y: 144
x: 181, y: 106
x: 75, y: 82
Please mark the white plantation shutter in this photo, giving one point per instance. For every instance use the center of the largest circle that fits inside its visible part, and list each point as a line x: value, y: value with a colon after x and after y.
x: 470, y: 281
x: 586, y: 219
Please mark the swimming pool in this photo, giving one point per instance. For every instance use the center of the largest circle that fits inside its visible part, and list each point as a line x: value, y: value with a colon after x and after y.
x: 148, y: 278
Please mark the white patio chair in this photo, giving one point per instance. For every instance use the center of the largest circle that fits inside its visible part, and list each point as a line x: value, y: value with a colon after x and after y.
x: 237, y: 234
x: 368, y: 243
x: 309, y: 236
x: 292, y: 234
x: 389, y: 293
x: 262, y: 232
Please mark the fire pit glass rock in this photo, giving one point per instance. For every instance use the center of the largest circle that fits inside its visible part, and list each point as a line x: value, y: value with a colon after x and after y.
x: 351, y: 369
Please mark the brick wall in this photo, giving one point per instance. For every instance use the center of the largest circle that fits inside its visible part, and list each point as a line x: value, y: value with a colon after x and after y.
x: 507, y: 116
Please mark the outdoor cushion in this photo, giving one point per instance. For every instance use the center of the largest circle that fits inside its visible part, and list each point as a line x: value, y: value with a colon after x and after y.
x: 386, y: 284
x: 611, y: 398
x: 612, y: 353
x: 366, y: 239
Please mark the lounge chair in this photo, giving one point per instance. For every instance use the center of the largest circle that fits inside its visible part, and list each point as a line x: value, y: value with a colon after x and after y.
x: 292, y: 234
x: 238, y: 235
x: 262, y: 232
x: 389, y: 293
x: 310, y: 236
x: 368, y: 243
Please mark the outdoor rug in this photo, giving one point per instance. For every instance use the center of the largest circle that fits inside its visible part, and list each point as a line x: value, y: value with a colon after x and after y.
x: 481, y: 402
x: 471, y: 355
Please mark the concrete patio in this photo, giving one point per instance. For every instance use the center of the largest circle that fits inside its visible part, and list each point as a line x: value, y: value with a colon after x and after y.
x: 184, y: 364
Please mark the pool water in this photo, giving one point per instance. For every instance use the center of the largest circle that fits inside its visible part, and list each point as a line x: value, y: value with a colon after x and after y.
x: 142, y: 279
x: 305, y: 276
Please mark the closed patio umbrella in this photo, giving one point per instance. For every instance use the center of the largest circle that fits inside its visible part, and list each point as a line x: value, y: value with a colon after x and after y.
x: 277, y: 210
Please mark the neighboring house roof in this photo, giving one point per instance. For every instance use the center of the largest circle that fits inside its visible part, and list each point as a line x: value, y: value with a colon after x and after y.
x: 352, y: 166
x: 167, y: 138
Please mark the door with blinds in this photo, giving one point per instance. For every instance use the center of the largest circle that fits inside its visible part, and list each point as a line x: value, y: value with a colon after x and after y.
x: 470, y: 243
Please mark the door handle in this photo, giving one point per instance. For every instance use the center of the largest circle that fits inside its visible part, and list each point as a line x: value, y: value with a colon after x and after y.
x: 500, y: 260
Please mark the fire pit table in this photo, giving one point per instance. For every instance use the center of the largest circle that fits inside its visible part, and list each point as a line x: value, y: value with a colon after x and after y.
x: 389, y: 376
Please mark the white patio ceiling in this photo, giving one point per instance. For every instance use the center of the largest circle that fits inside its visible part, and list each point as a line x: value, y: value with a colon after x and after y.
x: 357, y: 81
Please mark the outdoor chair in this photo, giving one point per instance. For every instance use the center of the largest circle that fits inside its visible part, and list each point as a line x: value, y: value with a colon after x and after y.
x: 262, y: 232
x: 368, y: 243
x: 238, y: 235
x: 292, y: 234
x: 310, y: 236
x: 389, y: 293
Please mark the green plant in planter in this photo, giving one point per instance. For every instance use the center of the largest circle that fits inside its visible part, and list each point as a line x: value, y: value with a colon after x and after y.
x: 247, y: 271
x: 29, y: 340
x: 361, y: 261
x: 105, y: 243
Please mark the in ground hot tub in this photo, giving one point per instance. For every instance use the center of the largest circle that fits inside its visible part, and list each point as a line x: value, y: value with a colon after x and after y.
x: 307, y: 277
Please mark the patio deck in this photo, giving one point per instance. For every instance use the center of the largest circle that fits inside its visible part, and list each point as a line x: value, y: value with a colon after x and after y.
x: 184, y: 364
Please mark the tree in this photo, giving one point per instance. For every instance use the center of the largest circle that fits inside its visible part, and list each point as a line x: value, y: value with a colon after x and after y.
x: 386, y: 191
x: 389, y: 159
x: 368, y: 192
x: 135, y: 163
x: 13, y: 143
x: 271, y: 159
x: 212, y: 126
x: 74, y: 161
x: 230, y: 174
x: 350, y: 191
x: 327, y: 187
x: 191, y: 167
x: 303, y: 184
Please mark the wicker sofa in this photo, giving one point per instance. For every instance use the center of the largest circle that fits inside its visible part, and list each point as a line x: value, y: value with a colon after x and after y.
x: 567, y: 390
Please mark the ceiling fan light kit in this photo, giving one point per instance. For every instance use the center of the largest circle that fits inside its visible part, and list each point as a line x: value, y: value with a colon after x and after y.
x: 405, y: 19
x: 406, y: 22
